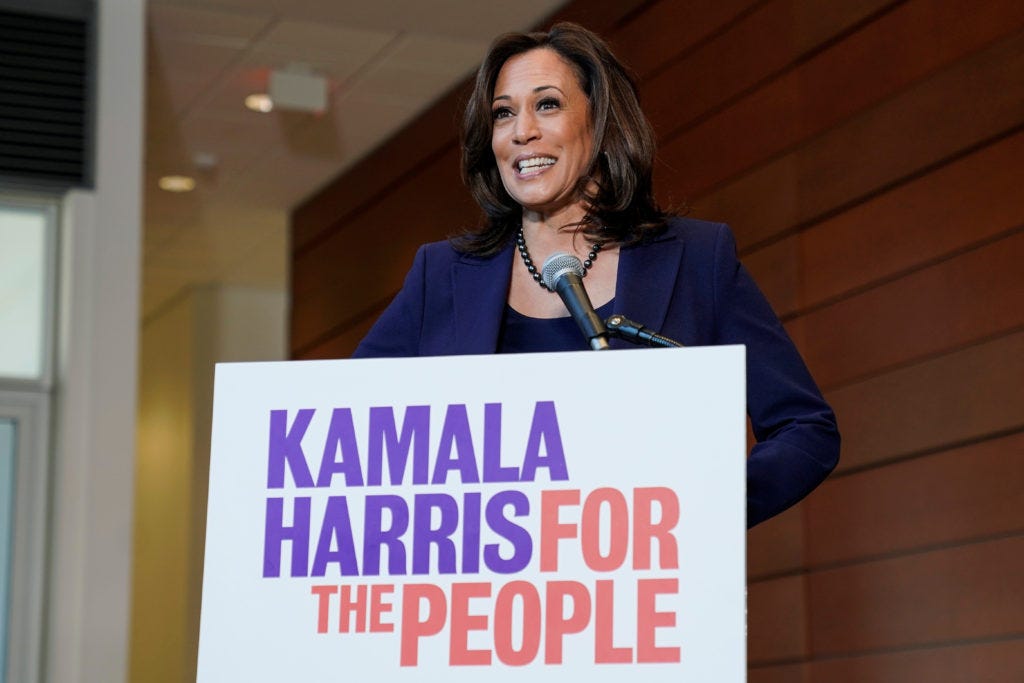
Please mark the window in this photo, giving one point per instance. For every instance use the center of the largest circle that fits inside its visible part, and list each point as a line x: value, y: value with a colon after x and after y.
x: 28, y: 235
x: 25, y: 231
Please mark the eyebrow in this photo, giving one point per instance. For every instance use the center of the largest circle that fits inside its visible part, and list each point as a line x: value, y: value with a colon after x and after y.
x: 539, y: 88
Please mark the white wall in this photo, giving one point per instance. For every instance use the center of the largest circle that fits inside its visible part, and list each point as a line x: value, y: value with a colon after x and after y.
x: 90, y: 554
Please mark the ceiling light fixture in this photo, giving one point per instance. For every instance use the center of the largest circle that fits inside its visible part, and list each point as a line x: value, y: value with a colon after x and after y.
x: 177, y: 183
x: 260, y: 102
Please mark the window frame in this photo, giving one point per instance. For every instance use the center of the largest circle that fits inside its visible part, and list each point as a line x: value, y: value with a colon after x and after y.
x: 28, y: 402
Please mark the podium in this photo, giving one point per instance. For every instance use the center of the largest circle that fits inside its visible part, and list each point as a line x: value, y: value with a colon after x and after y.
x: 521, y: 517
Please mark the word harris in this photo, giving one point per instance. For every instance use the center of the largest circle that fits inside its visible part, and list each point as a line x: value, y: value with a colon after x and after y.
x: 410, y: 530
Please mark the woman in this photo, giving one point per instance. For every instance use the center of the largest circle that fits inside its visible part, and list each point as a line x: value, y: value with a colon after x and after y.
x: 559, y: 155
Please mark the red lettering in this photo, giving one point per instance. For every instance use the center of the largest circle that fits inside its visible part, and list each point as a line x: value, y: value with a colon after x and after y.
x: 531, y: 621
x: 648, y: 619
x: 551, y: 530
x: 324, y: 594
x: 645, y: 530
x: 556, y: 623
x: 352, y: 607
x: 378, y: 608
x: 605, y: 651
x: 413, y: 627
x: 463, y: 622
x: 618, y: 531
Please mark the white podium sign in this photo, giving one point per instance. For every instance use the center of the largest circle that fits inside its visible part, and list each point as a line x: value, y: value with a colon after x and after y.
x: 541, y: 517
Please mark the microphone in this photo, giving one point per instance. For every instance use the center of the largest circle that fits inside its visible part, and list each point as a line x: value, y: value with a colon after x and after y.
x: 563, y: 273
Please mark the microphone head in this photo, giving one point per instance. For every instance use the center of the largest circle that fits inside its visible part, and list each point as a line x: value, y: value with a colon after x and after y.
x: 559, y: 265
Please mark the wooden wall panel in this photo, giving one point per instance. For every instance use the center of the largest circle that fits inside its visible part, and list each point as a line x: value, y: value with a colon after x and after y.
x: 958, y: 206
x: 951, y: 497
x: 991, y: 662
x: 667, y: 29
x: 967, y: 592
x: 875, y: 62
x: 975, y: 100
x: 777, y: 545
x: 770, y: 37
x: 928, y: 312
x: 776, y: 621
x: 953, y: 399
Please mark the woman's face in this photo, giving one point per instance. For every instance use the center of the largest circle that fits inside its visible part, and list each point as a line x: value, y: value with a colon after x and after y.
x: 541, y: 137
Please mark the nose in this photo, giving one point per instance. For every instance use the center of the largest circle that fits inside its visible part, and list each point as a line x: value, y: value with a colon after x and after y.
x: 526, y: 128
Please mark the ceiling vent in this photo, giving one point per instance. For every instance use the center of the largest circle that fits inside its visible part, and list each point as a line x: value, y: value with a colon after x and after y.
x: 44, y: 101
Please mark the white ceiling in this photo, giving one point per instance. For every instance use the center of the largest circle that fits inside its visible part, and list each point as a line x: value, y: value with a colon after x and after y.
x: 385, y: 61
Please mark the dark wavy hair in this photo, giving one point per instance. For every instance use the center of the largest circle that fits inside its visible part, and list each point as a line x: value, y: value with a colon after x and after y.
x: 616, y: 189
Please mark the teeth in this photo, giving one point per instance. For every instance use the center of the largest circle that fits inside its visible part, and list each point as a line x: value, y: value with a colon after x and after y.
x: 534, y: 162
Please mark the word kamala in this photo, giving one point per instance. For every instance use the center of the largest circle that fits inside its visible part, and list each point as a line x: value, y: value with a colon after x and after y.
x: 455, y: 451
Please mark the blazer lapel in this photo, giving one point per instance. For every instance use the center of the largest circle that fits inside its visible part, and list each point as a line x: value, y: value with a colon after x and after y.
x: 645, y: 283
x: 479, y: 292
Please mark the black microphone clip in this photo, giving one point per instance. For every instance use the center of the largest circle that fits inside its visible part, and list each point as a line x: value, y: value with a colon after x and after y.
x: 624, y: 328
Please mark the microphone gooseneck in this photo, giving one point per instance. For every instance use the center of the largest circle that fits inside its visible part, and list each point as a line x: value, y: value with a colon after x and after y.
x: 563, y: 273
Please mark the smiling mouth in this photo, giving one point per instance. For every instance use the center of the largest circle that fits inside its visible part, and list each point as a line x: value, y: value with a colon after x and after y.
x: 534, y: 164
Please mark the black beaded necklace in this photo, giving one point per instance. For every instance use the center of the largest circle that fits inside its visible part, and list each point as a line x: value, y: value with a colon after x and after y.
x: 521, y: 244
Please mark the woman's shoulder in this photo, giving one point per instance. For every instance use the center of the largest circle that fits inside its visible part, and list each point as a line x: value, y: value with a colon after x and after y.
x: 448, y: 251
x: 696, y: 229
x: 699, y: 236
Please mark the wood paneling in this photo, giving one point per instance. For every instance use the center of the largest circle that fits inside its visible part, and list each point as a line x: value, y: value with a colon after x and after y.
x: 944, y: 115
x: 964, y: 203
x: 922, y: 314
x: 955, y: 398
x: 650, y: 39
x: 950, y: 497
x: 963, y: 593
x: 777, y: 545
x: 773, y: 36
x: 776, y: 620
x: 876, y: 62
x: 998, y: 662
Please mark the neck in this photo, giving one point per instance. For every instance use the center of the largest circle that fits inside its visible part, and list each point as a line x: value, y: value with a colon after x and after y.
x: 562, y: 220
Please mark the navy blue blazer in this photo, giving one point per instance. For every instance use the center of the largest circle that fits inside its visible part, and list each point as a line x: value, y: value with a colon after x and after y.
x: 688, y: 285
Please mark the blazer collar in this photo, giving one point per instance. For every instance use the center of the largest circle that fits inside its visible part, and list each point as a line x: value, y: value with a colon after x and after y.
x: 480, y: 292
x: 644, y: 285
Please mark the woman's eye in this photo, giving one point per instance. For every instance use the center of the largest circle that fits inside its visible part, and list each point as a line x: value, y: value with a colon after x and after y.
x: 549, y: 103
x: 501, y: 113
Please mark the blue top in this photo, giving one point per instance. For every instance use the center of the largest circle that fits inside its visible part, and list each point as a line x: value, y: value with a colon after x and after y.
x: 523, y: 334
x: 686, y: 283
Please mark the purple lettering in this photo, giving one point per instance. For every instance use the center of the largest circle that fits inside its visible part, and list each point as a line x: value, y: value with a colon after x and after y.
x: 455, y: 452
x: 493, y: 470
x: 384, y: 437
x: 341, y: 437
x: 522, y: 544
x: 375, y: 536
x: 471, y: 533
x: 425, y: 535
x: 286, y: 446
x: 275, y: 533
x: 544, y: 428
x: 336, y: 530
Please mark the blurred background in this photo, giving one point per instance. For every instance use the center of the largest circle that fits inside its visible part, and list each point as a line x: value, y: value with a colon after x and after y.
x: 184, y: 182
